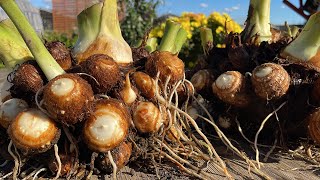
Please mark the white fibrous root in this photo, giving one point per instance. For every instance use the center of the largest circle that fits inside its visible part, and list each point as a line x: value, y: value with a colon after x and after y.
x: 193, y: 112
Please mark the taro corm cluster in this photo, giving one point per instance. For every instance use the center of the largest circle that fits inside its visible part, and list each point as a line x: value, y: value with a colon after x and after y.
x: 264, y: 85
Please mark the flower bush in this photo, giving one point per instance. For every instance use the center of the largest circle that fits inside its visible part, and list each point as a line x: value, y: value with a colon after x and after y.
x: 221, y: 24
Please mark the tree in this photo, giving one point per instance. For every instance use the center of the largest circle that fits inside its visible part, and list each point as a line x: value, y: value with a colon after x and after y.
x: 140, y: 16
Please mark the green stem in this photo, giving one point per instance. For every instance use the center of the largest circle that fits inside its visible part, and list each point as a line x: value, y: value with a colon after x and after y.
x: 258, y: 26
x: 137, y: 44
x: 151, y: 44
x: 181, y: 38
x: 295, y: 31
x: 100, y: 33
x: 110, y: 24
x: 13, y: 50
x: 88, y: 27
x: 170, y: 33
x: 206, y: 38
x: 288, y: 28
x: 44, y: 59
x: 306, y: 47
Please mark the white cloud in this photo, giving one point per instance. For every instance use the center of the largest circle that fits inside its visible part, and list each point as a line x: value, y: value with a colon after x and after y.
x: 283, y: 6
x: 47, y: 4
x: 234, y: 8
x: 227, y: 9
x: 204, y: 5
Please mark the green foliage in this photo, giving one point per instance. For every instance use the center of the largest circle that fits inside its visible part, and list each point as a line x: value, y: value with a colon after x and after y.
x: 68, y: 40
x: 140, y: 15
x: 220, y: 24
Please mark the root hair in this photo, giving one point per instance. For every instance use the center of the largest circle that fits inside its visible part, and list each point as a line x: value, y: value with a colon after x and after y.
x: 56, y: 153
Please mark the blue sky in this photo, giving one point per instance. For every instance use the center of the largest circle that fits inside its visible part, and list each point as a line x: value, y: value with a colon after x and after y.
x: 236, y: 8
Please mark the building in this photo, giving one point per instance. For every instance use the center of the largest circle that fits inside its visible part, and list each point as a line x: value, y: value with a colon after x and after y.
x: 32, y: 14
x: 46, y: 16
x: 65, y: 13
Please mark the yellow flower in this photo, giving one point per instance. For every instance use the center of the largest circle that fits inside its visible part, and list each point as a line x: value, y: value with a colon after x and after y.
x: 160, y: 34
x: 176, y: 19
x: 224, y: 20
x: 189, y: 36
x: 221, y: 46
x: 185, y: 25
x: 202, y: 16
x: 204, y: 22
x: 195, y: 24
x: 153, y: 33
x: 219, y: 29
x: 163, y: 25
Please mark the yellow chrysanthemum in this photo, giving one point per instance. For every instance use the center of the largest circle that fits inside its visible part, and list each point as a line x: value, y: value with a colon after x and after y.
x: 221, y: 46
x: 160, y: 34
x: 153, y: 33
x: 163, y: 25
x: 204, y: 22
x: 189, y: 36
x: 219, y: 29
x: 224, y: 20
x: 195, y: 24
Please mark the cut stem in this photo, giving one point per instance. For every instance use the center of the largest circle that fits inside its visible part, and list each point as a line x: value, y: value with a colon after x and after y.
x: 179, y: 41
x: 170, y: 33
x: 151, y: 44
x: 295, y: 31
x: 100, y: 33
x: 206, y: 39
x: 46, y: 62
x: 288, y: 28
x: 305, y: 49
x: 258, y: 26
